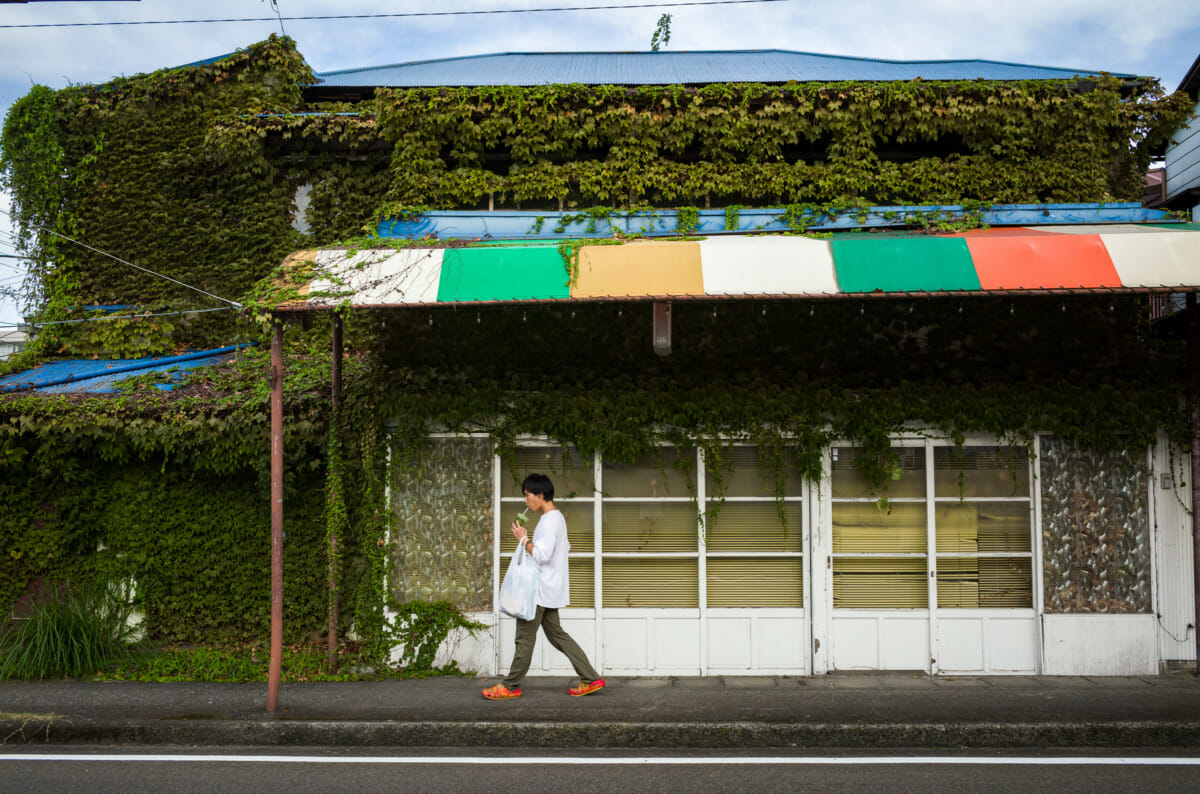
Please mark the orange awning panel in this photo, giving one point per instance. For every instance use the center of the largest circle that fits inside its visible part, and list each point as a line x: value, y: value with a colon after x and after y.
x: 1042, y: 261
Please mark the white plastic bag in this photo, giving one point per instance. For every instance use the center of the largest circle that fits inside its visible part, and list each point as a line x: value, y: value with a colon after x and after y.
x: 518, y: 591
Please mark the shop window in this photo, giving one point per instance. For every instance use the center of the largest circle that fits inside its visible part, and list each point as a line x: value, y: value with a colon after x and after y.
x: 650, y: 531
x: 443, y: 517
x: 879, y: 550
x: 753, y: 550
x: 983, y: 524
x: 574, y: 494
x: 980, y: 516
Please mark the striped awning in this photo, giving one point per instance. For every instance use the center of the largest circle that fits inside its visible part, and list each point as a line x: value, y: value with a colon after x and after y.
x: 1112, y: 258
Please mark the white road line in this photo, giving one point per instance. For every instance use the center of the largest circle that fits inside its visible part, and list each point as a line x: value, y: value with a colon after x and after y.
x: 617, y: 761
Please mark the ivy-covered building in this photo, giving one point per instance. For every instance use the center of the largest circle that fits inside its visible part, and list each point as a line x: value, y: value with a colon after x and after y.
x: 836, y: 363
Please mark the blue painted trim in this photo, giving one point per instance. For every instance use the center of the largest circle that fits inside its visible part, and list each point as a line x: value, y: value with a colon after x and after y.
x: 521, y: 225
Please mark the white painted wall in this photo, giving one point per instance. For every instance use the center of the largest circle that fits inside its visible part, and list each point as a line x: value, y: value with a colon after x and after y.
x: 1099, y: 644
x: 990, y: 642
x: 757, y: 642
x: 884, y: 640
x: 475, y: 652
x: 1175, y: 597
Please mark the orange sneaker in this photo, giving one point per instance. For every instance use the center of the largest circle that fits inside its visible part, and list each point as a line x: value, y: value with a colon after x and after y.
x: 501, y: 692
x: 586, y: 688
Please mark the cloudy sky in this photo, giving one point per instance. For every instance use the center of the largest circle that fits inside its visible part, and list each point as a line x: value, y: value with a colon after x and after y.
x: 1155, y: 38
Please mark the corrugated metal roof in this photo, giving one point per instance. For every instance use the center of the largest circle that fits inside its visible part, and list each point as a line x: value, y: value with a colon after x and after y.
x: 674, y: 68
x: 100, y: 376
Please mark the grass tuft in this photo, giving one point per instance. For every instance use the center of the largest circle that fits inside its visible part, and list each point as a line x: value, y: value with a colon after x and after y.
x: 76, y: 632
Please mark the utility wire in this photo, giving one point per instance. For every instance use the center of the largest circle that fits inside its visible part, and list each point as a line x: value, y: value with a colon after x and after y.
x: 480, y: 12
x: 234, y: 304
x: 121, y: 317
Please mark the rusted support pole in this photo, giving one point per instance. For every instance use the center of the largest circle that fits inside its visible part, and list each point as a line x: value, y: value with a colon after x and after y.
x: 335, y: 427
x: 273, y: 673
x: 1193, y: 405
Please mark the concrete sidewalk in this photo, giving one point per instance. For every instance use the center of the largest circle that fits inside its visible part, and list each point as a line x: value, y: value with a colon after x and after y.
x: 839, y: 710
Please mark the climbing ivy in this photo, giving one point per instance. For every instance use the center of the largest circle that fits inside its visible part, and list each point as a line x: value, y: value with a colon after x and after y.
x: 194, y: 172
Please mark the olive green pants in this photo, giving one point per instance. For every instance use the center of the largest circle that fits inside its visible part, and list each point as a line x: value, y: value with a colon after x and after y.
x: 527, y: 635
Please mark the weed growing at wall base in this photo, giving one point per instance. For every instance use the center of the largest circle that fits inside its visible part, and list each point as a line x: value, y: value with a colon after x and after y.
x: 76, y: 632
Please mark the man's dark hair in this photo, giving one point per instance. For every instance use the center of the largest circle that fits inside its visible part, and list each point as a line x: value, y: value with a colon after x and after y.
x: 539, y: 484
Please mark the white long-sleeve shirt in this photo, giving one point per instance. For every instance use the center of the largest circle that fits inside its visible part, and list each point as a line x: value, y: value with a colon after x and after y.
x: 550, y: 548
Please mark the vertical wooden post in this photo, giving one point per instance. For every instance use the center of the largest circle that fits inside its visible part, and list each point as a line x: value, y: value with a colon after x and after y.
x: 273, y: 673
x: 1193, y: 407
x: 335, y: 428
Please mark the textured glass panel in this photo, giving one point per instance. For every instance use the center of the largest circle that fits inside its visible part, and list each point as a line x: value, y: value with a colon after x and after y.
x: 849, y: 482
x: 880, y: 583
x: 1095, y: 529
x: 583, y: 583
x: 443, y: 541
x: 654, y: 475
x: 650, y: 526
x: 651, y: 583
x: 740, y: 472
x: 988, y: 583
x: 971, y: 527
x: 570, y: 471
x: 755, y: 526
x: 985, y: 471
x: 863, y: 528
x: 756, y: 582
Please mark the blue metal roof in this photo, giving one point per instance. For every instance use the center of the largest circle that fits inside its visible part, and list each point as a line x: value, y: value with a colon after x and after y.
x: 677, y: 68
x: 96, y: 376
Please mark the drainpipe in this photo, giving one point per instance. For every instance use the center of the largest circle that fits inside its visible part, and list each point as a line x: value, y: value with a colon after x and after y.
x: 335, y: 425
x: 1193, y: 404
x: 276, y: 377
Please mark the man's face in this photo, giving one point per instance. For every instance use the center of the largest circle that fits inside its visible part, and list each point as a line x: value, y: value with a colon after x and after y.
x: 533, y: 501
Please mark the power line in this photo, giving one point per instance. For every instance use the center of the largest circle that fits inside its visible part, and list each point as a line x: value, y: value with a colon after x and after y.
x: 234, y: 304
x: 121, y: 317
x: 480, y: 12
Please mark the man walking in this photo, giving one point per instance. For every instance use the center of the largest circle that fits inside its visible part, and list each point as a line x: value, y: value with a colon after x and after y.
x: 548, y: 548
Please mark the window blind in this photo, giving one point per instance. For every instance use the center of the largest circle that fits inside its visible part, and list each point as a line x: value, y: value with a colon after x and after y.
x: 863, y: 528
x: 848, y: 481
x: 984, y: 582
x: 655, y: 476
x: 985, y: 471
x: 755, y: 526
x: 569, y: 470
x: 879, y: 583
x: 651, y: 583
x: 650, y: 527
x: 583, y: 582
x: 756, y: 582
x: 983, y: 527
x: 742, y: 475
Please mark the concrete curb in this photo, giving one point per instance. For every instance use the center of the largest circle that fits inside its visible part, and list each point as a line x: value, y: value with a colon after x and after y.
x: 44, y: 730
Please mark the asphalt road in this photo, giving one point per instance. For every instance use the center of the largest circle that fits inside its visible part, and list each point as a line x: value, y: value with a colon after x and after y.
x: 171, y: 770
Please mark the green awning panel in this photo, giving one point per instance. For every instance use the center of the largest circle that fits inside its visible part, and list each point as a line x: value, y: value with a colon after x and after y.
x: 502, y: 274
x: 912, y: 264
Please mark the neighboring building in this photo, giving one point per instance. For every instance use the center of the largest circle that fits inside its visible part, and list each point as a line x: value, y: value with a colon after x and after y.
x: 11, y: 342
x: 1183, y: 156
